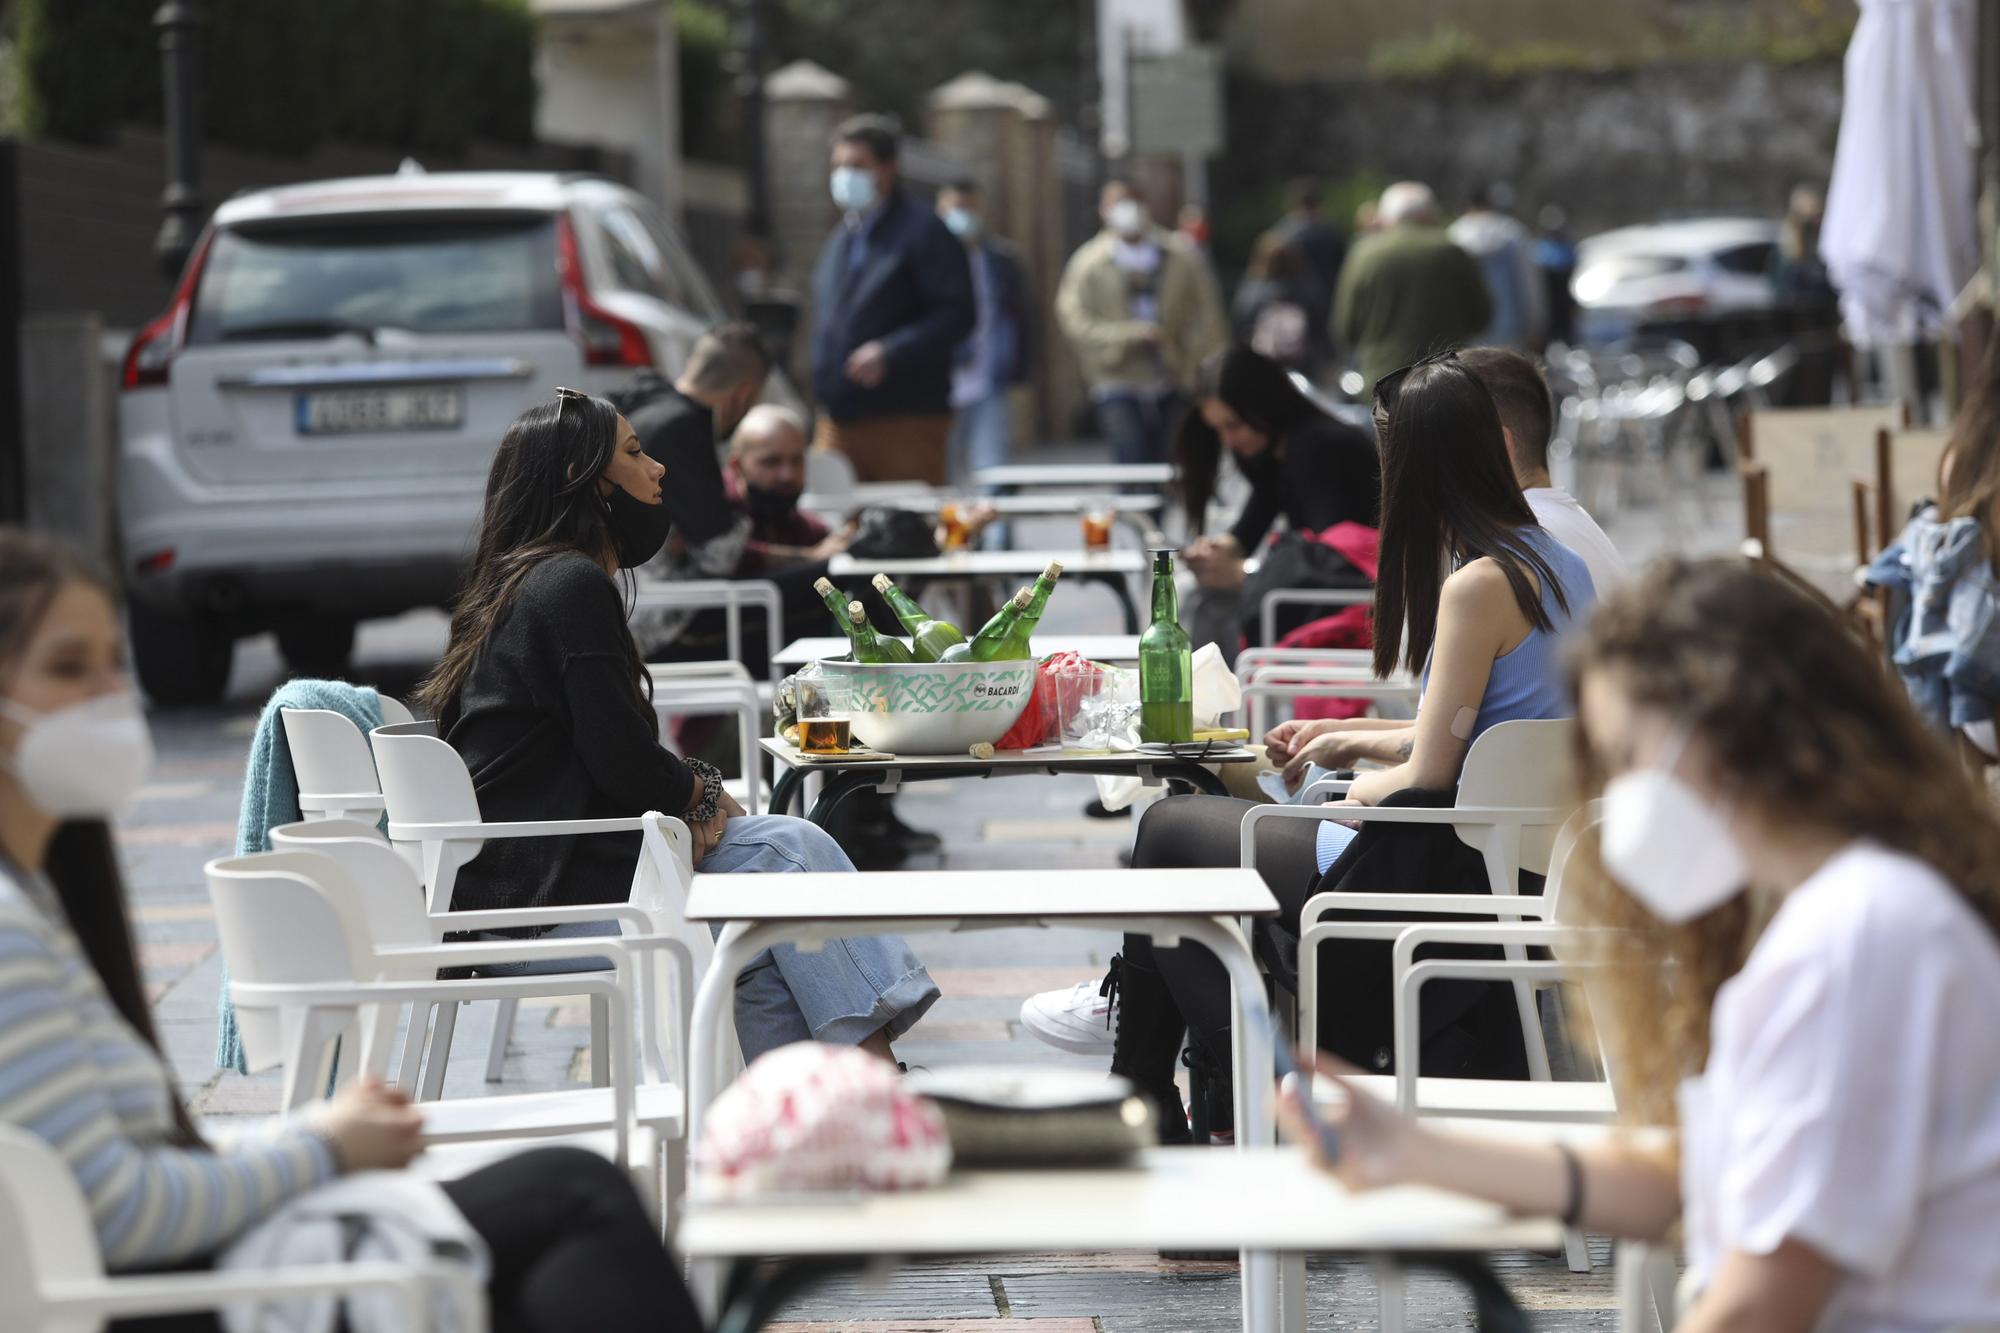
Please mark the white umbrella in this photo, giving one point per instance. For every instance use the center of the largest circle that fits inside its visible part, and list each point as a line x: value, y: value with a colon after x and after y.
x: 1900, y: 238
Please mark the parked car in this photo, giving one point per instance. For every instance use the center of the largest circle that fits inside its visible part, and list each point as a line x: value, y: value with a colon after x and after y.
x: 306, y: 430
x: 1677, y: 279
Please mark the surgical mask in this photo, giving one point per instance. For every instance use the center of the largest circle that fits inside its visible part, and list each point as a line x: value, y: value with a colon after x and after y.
x: 86, y: 761
x: 767, y: 505
x: 853, y: 189
x: 962, y: 223
x: 1670, y: 848
x: 638, y: 530
x: 1127, y: 217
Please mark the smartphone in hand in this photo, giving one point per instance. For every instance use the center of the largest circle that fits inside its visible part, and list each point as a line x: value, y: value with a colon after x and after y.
x: 1327, y: 1137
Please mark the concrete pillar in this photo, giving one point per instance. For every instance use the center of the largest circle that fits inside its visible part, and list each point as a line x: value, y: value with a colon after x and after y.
x: 66, y: 421
x: 802, y: 105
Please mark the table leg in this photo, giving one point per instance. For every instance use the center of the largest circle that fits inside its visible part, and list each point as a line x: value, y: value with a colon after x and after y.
x: 1192, y: 774
x: 839, y: 786
x: 786, y: 790
x: 1292, y: 1291
x: 1122, y: 590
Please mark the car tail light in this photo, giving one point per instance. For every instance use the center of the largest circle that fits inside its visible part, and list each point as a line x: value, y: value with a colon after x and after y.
x: 606, y: 339
x: 159, y: 562
x: 1678, y: 307
x: 151, y: 355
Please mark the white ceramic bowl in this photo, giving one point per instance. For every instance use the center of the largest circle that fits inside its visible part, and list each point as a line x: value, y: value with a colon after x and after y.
x: 931, y: 707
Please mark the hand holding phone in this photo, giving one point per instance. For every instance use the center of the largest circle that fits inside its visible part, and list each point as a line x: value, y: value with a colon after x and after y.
x: 1325, y: 1135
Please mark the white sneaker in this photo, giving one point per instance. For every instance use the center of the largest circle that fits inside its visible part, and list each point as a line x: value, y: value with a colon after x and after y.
x: 1077, y: 1019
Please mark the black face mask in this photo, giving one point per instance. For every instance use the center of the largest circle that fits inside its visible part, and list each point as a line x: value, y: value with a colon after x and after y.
x: 638, y: 530
x: 766, y: 505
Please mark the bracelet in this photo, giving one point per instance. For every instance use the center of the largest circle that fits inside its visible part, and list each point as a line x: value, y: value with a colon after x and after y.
x: 711, y: 791
x: 1573, y: 1170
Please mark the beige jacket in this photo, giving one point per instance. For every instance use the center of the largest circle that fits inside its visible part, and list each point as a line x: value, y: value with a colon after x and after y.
x: 1094, y: 309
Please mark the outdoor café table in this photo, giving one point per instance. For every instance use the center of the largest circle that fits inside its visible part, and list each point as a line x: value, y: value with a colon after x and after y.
x: 1111, y: 568
x: 843, y: 775
x: 1136, y: 511
x: 1173, y: 906
x: 1009, y: 478
x: 1096, y: 647
x: 1269, y: 1201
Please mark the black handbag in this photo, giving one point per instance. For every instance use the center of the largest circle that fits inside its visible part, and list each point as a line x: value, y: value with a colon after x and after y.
x: 1295, y: 561
x: 893, y: 534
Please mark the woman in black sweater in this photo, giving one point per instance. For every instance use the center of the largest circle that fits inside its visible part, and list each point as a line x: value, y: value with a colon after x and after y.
x: 543, y: 693
x: 1300, y: 462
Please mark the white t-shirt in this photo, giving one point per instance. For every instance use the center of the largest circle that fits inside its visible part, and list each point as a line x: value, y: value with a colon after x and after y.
x: 1851, y: 1100
x: 1569, y: 523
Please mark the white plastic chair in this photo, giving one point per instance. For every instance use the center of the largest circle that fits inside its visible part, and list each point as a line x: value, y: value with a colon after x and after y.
x: 701, y: 689
x: 331, y: 760
x: 434, y: 822
x: 829, y: 473
x: 731, y: 596
x: 1512, y: 794
x: 52, y: 1277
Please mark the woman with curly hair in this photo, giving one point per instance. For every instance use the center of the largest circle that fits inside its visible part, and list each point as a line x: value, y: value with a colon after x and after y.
x: 1803, y: 891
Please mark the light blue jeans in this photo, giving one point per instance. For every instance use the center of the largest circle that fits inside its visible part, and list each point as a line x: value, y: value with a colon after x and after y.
x: 982, y: 436
x: 843, y: 993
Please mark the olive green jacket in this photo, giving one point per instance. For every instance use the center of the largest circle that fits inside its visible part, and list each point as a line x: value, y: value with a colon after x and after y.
x: 1093, y: 305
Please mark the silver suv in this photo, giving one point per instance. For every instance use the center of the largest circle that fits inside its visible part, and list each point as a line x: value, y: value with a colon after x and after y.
x: 305, y: 432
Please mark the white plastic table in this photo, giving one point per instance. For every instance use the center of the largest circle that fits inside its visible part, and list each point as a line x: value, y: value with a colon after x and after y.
x: 1096, y: 647
x: 1172, y: 906
x: 1111, y: 568
x: 1268, y: 1201
x: 1012, y: 477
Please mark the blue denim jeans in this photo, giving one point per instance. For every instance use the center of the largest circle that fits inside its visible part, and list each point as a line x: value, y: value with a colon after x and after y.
x: 982, y: 436
x: 1137, y: 425
x: 844, y: 992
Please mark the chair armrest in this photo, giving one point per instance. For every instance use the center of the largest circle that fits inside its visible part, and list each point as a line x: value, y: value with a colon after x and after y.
x: 1267, y: 614
x: 663, y: 671
x: 489, y: 953
x: 499, y: 919
x: 1542, y: 933
x: 1491, y: 815
x: 426, y: 992
x: 480, y: 832
x: 1407, y: 1025
x: 189, y: 1293
x: 1329, y: 787
x: 1431, y: 904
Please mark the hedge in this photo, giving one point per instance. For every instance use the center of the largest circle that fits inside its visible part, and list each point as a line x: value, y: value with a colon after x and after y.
x: 284, y: 75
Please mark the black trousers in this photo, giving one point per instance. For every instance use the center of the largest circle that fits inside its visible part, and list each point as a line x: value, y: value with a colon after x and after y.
x: 572, y: 1249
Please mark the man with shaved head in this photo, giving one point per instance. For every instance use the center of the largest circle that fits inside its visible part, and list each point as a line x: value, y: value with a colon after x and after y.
x: 1406, y: 292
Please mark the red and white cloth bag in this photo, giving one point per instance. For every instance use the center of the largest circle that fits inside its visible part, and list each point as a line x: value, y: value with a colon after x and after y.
x: 810, y: 1116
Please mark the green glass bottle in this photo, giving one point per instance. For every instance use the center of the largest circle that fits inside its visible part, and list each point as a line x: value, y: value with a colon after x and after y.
x: 1005, y: 638
x: 837, y: 602
x: 1166, y: 666
x: 929, y: 636
x: 868, y: 645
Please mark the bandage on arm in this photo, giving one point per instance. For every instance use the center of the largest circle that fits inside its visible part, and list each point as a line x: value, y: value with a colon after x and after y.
x: 1462, y: 723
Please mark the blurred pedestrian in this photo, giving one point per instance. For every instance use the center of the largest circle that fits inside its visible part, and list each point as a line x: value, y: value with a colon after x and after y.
x: 1306, y: 227
x: 1806, y: 294
x: 1192, y: 224
x: 1406, y: 291
x: 892, y: 300
x: 994, y: 358
x: 1491, y: 234
x: 1142, y: 310
x: 1555, y: 256
x: 1274, y: 304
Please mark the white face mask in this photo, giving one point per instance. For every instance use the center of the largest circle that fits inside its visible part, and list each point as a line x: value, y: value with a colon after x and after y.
x: 86, y: 761
x: 853, y: 189
x: 1668, y: 846
x: 1127, y: 217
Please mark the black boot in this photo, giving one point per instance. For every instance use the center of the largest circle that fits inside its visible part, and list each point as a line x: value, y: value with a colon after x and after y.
x: 1147, y: 1041
x: 1211, y: 1088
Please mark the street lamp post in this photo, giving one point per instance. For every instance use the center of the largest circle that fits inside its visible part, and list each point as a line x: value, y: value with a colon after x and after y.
x: 748, y: 33
x: 180, y: 23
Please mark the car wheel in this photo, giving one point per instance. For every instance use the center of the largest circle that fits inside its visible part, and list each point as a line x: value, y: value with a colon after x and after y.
x: 181, y: 660
x: 316, y: 646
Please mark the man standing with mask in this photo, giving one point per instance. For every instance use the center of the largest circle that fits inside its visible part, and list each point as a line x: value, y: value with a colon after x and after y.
x: 1142, y: 311
x: 892, y: 300
x: 995, y: 358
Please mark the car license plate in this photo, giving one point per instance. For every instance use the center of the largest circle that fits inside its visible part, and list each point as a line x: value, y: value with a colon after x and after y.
x: 360, y: 411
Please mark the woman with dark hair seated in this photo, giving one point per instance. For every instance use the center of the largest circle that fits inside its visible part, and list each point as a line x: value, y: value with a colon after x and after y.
x: 1301, y: 464
x: 543, y: 693
x: 1472, y: 593
x: 80, y: 1066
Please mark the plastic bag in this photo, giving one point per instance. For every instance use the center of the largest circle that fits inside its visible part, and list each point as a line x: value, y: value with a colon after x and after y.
x: 1217, y: 693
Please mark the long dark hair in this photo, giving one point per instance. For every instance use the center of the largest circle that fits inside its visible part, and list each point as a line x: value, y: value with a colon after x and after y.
x: 1448, y: 492
x: 82, y: 861
x: 1969, y: 468
x: 1255, y: 388
x: 541, y: 502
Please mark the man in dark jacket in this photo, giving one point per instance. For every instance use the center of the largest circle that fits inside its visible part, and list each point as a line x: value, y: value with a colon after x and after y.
x: 995, y: 358
x: 892, y: 300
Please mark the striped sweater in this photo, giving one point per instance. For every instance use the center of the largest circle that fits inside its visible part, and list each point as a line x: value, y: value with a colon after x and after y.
x: 74, y: 1073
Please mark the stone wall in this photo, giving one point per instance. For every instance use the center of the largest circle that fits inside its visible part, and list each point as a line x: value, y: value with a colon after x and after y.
x: 1611, y: 148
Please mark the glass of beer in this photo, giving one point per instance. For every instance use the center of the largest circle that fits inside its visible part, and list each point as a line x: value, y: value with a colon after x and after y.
x: 1097, y: 516
x: 956, y: 530
x: 823, y: 722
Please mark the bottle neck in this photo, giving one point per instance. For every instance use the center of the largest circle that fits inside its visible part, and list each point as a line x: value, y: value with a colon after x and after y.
x: 1166, y: 603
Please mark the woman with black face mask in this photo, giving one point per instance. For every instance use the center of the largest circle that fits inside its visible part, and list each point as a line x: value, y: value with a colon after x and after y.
x: 543, y: 693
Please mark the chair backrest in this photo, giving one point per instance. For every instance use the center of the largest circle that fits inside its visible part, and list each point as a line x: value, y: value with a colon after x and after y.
x: 1907, y: 472
x: 1522, y: 763
x: 391, y: 899
x: 1809, y: 457
x: 425, y: 782
x: 331, y: 760
x: 829, y: 473
x: 280, y: 925
x: 394, y: 711
x: 1562, y: 861
x: 665, y: 898
x: 46, y: 1235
